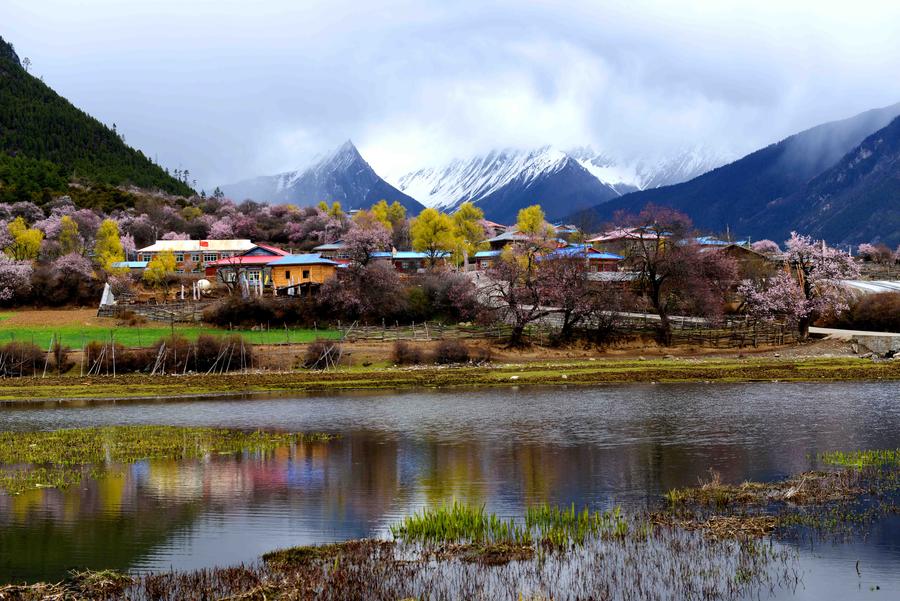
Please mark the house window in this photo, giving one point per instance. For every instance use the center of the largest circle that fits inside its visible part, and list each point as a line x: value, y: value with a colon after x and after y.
x: 179, y: 257
x: 195, y: 257
x: 253, y: 276
x: 287, y: 274
x: 209, y: 257
x: 306, y: 274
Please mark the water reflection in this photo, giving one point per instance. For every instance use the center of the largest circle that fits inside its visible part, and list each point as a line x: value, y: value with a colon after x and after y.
x: 506, y: 449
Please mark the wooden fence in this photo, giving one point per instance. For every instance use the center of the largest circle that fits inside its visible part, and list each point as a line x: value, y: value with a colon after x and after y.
x: 733, y: 333
x: 169, y: 312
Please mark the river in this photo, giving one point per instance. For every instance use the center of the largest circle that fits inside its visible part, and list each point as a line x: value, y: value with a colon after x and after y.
x: 506, y: 448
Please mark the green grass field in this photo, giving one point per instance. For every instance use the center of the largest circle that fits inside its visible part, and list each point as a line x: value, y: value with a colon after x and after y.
x: 75, y: 335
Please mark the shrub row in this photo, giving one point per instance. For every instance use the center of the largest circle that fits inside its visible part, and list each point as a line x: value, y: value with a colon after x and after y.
x: 235, y: 311
x: 873, y: 312
x: 28, y: 359
x: 173, y: 354
x: 447, y: 352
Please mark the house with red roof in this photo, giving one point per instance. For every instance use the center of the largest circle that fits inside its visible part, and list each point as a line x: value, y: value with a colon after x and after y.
x: 252, y: 265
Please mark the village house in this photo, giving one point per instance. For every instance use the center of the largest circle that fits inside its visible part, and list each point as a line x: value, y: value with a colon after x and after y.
x: 196, y: 254
x: 751, y: 265
x: 595, y: 260
x: 505, y: 239
x: 137, y: 267
x: 301, y: 274
x: 336, y: 251
x: 408, y: 261
x: 484, y: 259
x: 250, y: 265
x: 622, y: 241
x: 492, y: 228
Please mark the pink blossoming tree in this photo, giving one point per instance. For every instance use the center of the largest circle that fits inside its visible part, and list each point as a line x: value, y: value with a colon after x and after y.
x: 810, y: 291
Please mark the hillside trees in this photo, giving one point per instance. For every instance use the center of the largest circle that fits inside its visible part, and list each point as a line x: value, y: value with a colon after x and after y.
x: 25, y: 243
x: 108, y: 246
x: 160, y: 271
x: 468, y: 231
x: 45, y: 142
x: 433, y: 233
x: 367, y: 235
x: 15, y: 279
x: 68, y: 238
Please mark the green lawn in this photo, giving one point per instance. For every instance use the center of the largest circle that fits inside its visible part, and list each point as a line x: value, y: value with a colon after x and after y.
x: 76, y: 335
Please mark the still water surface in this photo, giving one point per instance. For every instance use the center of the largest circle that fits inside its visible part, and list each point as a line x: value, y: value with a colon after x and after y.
x: 397, y: 452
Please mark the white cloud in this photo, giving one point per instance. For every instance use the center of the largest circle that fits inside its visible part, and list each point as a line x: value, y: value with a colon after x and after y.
x: 232, y: 89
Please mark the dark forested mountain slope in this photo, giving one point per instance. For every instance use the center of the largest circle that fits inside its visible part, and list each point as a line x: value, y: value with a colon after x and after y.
x: 45, y: 141
x: 738, y: 195
x: 856, y: 200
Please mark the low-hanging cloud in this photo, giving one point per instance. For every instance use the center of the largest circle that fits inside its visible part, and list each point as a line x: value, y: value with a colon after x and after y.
x: 231, y: 89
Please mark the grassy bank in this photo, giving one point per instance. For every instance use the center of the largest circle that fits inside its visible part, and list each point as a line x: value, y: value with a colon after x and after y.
x: 76, y: 335
x: 581, y: 372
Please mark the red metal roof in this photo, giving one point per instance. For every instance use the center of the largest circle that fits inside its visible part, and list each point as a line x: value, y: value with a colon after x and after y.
x: 242, y: 260
x: 273, y: 249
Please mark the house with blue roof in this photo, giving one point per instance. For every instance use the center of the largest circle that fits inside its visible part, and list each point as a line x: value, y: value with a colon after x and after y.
x: 410, y: 261
x: 304, y: 272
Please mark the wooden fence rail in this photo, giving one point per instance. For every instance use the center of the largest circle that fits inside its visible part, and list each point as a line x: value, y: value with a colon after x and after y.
x: 685, y: 332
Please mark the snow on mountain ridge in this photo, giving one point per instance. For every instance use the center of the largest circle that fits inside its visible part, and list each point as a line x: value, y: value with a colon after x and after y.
x: 478, y: 177
x: 470, y: 180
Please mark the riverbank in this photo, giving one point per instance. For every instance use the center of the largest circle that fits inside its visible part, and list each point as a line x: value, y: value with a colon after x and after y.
x: 549, y: 373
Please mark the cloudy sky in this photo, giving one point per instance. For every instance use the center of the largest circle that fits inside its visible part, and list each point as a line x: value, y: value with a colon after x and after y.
x: 234, y: 88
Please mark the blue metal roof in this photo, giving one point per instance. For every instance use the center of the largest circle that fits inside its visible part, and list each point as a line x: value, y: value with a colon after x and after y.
x: 130, y: 264
x: 336, y: 245
x: 713, y: 241
x: 482, y: 254
x: 406, y: 254
x: 580, y: 250
x: 306, y: 259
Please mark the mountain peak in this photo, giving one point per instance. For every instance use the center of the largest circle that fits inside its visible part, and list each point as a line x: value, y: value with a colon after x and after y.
x: 341, y: 175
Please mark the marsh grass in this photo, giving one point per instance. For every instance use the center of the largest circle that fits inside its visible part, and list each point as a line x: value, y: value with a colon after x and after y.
x: 458, y: 523
x: 61, y: 458
x: 864, y: 458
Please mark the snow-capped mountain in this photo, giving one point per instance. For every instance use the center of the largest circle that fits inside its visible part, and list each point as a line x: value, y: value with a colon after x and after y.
x: 631, y: 175
x: 502, y: 182
x: 342, y: 175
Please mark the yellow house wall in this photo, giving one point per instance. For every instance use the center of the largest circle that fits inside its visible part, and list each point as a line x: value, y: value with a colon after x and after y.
x: 318, y: 274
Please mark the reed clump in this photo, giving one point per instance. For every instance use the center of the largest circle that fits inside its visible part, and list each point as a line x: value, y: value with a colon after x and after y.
x: 457, y: 523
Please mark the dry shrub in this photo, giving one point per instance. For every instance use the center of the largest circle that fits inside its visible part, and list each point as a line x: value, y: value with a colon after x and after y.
x: 321, y: 354
x: 207, y: 353
x: 404, y: 353
x: 60, y: 354
x: 481, y: 355
x: 132, y: 319
x: 450, y: 351
x: 21, y: 359
x: 872, y: 312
